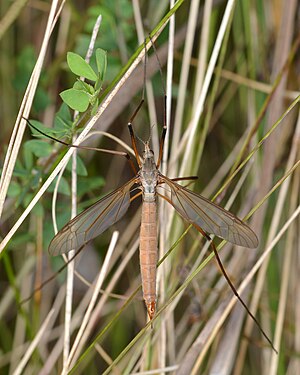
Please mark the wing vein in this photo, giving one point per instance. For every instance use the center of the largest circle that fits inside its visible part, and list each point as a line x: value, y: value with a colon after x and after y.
x: 208, y: 216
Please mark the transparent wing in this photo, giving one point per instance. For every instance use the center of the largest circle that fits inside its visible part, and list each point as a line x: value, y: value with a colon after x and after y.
x: 93, y: 221
x: 210, y: 217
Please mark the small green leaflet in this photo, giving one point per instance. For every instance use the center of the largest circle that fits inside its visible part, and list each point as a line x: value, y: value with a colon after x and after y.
x: 80, y: 67
x: 75, y: 99
x: 63, y: 186
x: 101, y: 60
x: 80, y: 167
x: 38, y: 148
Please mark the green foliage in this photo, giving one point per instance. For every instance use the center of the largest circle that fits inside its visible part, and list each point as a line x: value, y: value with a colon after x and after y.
x: 80, y: 67
x: 114, y: 23
x: 94, y: 183
x: 80, y: 167
x: 14, y: 189
x: 24, y: 64
x: 28, y: 175
x: 63, y: 117
x: 83, y: 95
x: 61, y: 128
x: 76, y: 99
x: 37, y: 148
x: 101, y: 60
x: 63, y: 186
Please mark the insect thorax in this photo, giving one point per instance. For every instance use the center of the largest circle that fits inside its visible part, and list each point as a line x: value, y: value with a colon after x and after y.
x: 148, y: 174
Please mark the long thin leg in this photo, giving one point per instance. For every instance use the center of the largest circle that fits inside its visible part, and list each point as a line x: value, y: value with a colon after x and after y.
x: 163, y: 135
x: 111, y: 152
x: 220, y: 264
x: 188, y: 178
x: 235, y: 292
x: 132, y: 136
x: 135, y: 196
x: 191, y: 180
x: 164, y: 130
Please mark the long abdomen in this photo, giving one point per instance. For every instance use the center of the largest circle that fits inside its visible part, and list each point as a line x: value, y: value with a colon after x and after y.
x: 148, y: 254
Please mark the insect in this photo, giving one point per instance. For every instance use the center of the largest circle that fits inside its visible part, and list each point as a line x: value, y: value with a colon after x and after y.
x: 204, y: 215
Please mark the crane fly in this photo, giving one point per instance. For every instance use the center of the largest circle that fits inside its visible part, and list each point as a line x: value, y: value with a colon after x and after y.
x: 204, y: 215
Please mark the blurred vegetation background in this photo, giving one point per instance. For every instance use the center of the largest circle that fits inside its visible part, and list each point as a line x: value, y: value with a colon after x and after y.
x: 232, y: 82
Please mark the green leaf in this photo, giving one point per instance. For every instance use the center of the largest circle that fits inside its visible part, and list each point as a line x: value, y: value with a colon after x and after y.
x: 80, y: 67
x: 95, y: 107
x: 101, y: 60
x: 80, y: 167
x: 28, y: 158
x: 25, y: 60
x: 63, y: 120
x: 38, y: 148
x: 75, y: 99
x: 41, y: 100
x: 84, y: 186
x: 45, y: 129
x: 14, y: 189
x: 20, y: 171
x: 83, y: 86
x: 63, y: 187
x: 24, y: 197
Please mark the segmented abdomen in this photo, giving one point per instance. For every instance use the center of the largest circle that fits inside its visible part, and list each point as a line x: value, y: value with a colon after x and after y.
x: 148, y: 254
